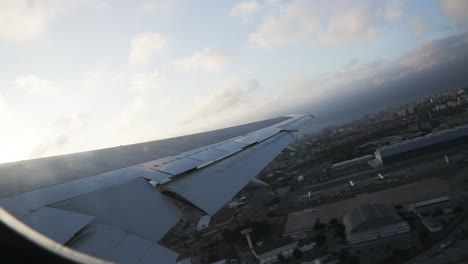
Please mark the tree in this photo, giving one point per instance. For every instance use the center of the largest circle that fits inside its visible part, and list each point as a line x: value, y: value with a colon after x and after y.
x: 352, y: 260
x: 318, y: 226
x: 196, y: 234
x: 343, y: 255
x: 213, y: 258
x: 281, y: 258
x: 340, y: 231
x: 320, y: 239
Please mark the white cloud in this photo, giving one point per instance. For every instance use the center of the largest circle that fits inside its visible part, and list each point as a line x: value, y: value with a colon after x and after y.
x: 35, y: 85
x: 145, y: 46
x: 65, y: 128
x: 392, y: 10
x: 129, y: 115
x: 254, y: 84
x: 217, y: 101
x: 22, y: 20
x: 143, y: 82
x: 419, y: 27
x: 349, y: 27
x: 245, y: 10
x: 293, y: 22
x: 207, y: 60
x: 76, y: 120
x: 3, y: 106
x: 457, y: 10
x: 330, y: 22
x: 156, y: 6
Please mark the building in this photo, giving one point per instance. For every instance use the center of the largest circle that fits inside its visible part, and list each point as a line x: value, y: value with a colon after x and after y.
x: 268, y: 253
x: 425, y: 210
x: 224, y: 216
x: 429, y: 205
x: 352, y: 163
x: 420, y: 145
x: 203, y: 222
x: 372, y: 222
x: 299, y: 222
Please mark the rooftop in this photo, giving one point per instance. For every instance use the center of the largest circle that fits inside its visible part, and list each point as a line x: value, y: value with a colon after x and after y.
x: 274, y: 245
x: 444, y: 135
x: 430, y: 202
x: 370, y: 216
x: 224, y: 215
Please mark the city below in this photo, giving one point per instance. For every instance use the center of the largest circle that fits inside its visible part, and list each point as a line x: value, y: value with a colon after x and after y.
x: 389, y: 187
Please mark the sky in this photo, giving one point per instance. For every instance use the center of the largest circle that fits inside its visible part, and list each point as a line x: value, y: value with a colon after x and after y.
x: 89, y: 74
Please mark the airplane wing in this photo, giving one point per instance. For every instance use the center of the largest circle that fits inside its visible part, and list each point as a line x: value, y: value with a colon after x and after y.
x: 116, y: 204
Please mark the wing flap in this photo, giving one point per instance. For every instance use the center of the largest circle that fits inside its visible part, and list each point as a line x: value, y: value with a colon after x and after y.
x: 213, y: 186
x: 57, y: 224
x: 135, y: 206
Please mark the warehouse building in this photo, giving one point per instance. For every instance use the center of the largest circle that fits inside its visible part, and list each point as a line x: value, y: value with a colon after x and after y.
x: 269, y: 253
x: 421, y: 145
x: 425, y: 209
x: 356, y: 163
x: 372, y: 222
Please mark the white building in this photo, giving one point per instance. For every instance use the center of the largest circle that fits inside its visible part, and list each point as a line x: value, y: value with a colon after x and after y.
x: 203, y: 222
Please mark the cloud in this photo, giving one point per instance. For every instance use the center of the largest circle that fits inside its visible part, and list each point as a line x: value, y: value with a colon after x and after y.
x: 65, y: 129
x: 457, y: 10
x: 352, y: 63
x: 145, y: 46
x: 245, y: 10
x: 129, y: 115
x: 254, y: 84
x: 392, y: 9
x: 330, y: 22
x: 3, y: 106
x: 218, y: 101
x: 419, y: 27
x: 76, y: 120
x: 143, y: 82
x: 22, y: 20
x: 207, y: 60
x: 433, y: 66
x: 293, y: 22
x: 156, y: 6
x: 359, y: 87
x: 35, y: 85
x: 351, y: 26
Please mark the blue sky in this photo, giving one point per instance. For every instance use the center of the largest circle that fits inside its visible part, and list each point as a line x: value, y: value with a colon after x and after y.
x: 86, y: 74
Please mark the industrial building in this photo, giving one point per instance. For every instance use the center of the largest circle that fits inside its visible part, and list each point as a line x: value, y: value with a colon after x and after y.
x: 269, y: 253
x: 424, y: 210
x: 371, y: 222
x: 420, y: 145
x: 352, y: 163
